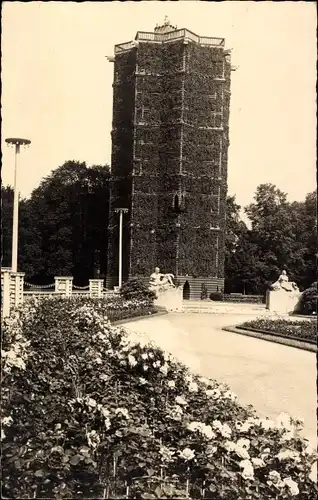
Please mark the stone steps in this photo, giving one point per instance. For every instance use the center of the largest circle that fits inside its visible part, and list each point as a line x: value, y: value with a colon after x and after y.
x: 223, y: 308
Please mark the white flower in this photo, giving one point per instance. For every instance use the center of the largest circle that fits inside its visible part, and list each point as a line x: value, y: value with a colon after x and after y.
x: 145, y: 368
x: 142, y: 380
x: 242, y: 452
x: 104, y: 412
x: 211, y: 450
x: 132, y: 360
x: 194, y: 426
x: 93, y: 439
x: 91, y: 402
x: 229, y: 446
x: 265, y: 453
x: 176, y: 413
x: 3, y: 435
x: 258, y: 462
x: 230, y: 395
x: 144, y: 355
x: 226, y: 431
x: 274, y: 477
x: 171, y: 384
x: 181, y: 401
x: 166, y: 454
x: 122, y: 411
x: 243, y: 443
x: 99, y: 361
x: 107, y: 423
x: 156, y: 364
x: 208, y: 432
x: 291, y: 485
x: 248, y: 469
x: 283, y: 421
x: 187, y: 454
x: 103, y: 377
x: 6, y: 421
x: 241, y: 448
x: 213, y: 393
x: 193, y: 387
x: 288, y: 455
x: 313, y: 473
x: 164, y: 369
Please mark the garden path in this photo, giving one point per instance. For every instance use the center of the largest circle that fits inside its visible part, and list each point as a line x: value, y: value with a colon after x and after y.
x: 272, y: 377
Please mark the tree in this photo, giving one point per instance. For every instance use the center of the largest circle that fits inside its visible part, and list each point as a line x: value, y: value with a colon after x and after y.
x: 63, y: 226
x: 235, y: 236
x: 72, y: 208
x: 29, y: 254
x: 282, y: 236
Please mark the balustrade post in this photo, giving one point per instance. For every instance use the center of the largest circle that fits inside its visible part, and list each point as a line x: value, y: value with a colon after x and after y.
x: 64, y: 285
x: 96, y: 288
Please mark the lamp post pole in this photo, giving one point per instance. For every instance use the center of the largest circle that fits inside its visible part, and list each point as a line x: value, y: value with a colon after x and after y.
x: 16, y: 143
x: 121, y: 211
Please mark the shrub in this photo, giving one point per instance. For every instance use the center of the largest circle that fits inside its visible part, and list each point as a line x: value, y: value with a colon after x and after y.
x: 308, y: 300
x: 91, y: 412
x: 136, y: 289
x: 218, y: 296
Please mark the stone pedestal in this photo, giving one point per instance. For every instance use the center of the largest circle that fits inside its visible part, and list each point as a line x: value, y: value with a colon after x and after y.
x: 282, y: 302
x: 63, y: 285
x: 96, y: 288
x: 170, y: 299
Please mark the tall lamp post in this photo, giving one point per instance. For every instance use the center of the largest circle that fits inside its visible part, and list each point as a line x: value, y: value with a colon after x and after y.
x: 16, y: 143
x: 121, y: 211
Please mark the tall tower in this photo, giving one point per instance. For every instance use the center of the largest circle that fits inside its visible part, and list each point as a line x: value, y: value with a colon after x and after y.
x: 170, y: 139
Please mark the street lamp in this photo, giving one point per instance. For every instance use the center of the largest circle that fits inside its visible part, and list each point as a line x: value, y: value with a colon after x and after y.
x: 121, y: 211
x: 16, y: 143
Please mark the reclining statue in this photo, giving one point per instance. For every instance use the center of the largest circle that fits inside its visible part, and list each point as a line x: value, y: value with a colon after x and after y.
x: 160, y: 282
x: 284, y: 284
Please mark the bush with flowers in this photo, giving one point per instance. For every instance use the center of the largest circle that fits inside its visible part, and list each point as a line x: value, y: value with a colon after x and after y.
x: 90, y: 411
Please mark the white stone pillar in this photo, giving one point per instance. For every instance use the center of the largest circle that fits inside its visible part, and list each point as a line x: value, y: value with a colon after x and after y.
x: 5, y: 292
x: 64, y: 285
x: 96, y: 288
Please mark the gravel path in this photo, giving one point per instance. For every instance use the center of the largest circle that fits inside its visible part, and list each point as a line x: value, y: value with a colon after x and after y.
x: 271, y: 377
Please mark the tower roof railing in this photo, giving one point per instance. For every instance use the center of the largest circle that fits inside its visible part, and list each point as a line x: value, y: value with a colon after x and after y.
x: 144, y: 36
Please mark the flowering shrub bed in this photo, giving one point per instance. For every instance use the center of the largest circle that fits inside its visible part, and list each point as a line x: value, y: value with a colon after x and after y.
x: 89, y: 411
x: 302, y: 330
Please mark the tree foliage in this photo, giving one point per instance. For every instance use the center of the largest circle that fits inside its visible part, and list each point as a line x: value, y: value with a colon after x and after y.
x: 63, y: 226
x: 282, y: 236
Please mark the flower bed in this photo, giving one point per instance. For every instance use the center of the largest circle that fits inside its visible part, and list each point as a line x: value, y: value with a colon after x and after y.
x: 90, y: 412
x: 305, y: 330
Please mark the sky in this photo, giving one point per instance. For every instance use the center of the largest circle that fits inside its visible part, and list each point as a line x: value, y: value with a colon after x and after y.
x: 57, y: 84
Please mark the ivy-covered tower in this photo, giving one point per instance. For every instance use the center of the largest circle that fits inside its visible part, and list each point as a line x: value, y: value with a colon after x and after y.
x: 170, y: 137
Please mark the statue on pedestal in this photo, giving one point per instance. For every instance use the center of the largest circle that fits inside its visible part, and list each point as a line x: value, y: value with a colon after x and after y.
x: 168, y: 295
x: 283, y: 284
x: 159, y: 282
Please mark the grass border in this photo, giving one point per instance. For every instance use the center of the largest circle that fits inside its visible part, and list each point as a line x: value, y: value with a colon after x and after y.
x: 270, y: 337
